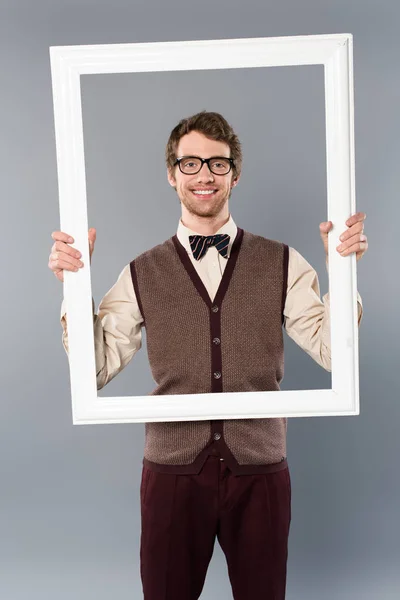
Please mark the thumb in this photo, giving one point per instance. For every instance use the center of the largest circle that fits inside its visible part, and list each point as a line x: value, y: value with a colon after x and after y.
x: 325, y: 227
x: 92, y: 238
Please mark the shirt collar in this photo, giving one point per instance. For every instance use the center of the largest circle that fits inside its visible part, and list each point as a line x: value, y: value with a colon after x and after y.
x: 183, y: 233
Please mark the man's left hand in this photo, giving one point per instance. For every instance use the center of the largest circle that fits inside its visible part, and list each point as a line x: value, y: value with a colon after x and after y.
x: 352, y: 240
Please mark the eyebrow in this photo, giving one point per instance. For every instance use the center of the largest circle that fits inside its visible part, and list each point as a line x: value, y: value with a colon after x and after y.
x: 197, y: 156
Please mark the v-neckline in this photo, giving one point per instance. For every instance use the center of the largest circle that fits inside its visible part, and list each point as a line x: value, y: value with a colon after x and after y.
x: 226, y: 276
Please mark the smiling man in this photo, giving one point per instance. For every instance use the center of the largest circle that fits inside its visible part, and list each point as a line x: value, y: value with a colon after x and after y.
x: 213, y: 299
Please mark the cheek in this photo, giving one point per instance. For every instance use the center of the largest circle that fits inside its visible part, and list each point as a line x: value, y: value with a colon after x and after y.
x: 186, y: 185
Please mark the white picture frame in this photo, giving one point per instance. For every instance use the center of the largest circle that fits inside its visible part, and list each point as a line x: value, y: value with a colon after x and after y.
x: 335, y: 52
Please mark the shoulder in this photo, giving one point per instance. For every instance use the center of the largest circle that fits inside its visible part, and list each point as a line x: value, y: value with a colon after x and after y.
x: 157, y: 252
x: 297, y: 260
x: 258, y: 241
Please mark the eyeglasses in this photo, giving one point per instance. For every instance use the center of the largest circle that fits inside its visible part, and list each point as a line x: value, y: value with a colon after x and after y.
x: 190, y: 165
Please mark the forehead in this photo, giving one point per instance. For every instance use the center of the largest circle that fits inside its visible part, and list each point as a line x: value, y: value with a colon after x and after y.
x: 195, y: 143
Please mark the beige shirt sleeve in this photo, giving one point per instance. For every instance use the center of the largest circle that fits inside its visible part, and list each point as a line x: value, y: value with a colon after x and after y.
x: 306, y: 316
x: 117, y: 329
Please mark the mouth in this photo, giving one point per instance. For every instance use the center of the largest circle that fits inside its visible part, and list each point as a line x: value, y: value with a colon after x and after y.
x: 204, y: 193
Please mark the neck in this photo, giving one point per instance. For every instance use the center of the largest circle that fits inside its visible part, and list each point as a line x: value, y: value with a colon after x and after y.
x: 205, y: 225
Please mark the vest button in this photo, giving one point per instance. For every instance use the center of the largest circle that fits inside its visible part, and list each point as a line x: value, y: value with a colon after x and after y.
x: 216, y: 341
x: 217, y: 375
x: 215, y: 308
x: 217, y: 436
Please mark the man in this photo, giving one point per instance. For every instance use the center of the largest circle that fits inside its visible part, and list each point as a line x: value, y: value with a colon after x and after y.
x: 213, y: 299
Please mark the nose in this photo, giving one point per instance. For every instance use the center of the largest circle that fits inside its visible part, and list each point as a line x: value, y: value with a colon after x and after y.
x: 205, y: 173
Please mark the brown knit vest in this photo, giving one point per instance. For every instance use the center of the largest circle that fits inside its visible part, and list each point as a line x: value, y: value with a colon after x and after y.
x: 232, y: 343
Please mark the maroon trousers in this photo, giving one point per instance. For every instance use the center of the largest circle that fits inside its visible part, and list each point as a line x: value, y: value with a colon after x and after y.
x: 182, y: 514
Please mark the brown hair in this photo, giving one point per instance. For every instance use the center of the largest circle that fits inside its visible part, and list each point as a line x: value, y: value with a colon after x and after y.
x: 212, y: 125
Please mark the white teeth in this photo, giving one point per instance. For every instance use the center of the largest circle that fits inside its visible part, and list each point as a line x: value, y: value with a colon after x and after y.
x: 203, y: 192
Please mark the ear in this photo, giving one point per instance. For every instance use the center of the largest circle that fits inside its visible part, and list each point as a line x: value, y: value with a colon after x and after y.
x: 171, y: 178
x: 235, y: 181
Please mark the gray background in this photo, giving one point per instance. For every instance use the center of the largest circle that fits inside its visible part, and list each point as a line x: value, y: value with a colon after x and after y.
x: 69, y: 502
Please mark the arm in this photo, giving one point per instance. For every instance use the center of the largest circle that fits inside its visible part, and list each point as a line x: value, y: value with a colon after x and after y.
x: 117, y: 329
x: 306, y: 316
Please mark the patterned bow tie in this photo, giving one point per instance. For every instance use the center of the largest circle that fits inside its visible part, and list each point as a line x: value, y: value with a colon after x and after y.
x: 200, y: 244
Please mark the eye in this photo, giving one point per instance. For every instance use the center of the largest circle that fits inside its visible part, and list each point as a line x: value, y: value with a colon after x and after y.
x: 220, y: 164
x: 190, y: 163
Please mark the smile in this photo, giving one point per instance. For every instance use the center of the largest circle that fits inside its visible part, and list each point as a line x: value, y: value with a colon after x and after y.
x: 204, y: 192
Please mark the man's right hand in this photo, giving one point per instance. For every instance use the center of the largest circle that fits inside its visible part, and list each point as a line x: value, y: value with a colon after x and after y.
x: 64, y: 257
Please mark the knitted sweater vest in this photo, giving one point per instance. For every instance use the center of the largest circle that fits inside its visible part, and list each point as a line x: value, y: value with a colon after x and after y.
x: 232, y: 343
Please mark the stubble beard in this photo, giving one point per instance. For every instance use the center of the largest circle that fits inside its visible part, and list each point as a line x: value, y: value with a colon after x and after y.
x: 200, y: 208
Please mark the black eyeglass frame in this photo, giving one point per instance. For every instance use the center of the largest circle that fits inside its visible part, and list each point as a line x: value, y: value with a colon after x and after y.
x: 205, y: 160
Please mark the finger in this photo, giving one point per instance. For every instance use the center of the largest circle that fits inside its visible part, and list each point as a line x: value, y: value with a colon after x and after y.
x: 358, y: 247
x: 354, y: 229
x: 62, y: 237
x: 62, y: 247
x: 64, y: 261
x: 351, y: 242
x: 360, y: 216
x: 59, y: 274
x: 62, y: 266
